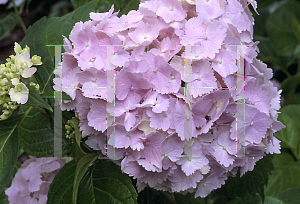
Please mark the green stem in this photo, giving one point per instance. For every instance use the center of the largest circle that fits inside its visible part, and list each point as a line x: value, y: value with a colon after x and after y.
x: 19, y: 15
x: 22, y: 7
x: 286, y: 72
x: 170, y: 196
x: 86, y: 147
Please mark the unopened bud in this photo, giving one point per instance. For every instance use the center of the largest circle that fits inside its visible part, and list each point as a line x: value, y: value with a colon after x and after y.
x: 10, y: 75
x: 26, y: 49
x: 24, y: 65
x: 13, y: 68
x: 8, y: 64
x: 6, y: 112
x: 9, y: 60
x: 17, y: 48
x: 68, y: 128
x: 4, y: 81
x: 37, y: 86
x: 12, y: 57
x: 3, y: 117
x: 36, y: 60
x: 3, y: 93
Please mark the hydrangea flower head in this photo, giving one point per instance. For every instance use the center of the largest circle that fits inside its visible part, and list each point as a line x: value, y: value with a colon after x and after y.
x: 174, y: 111
x: 32, y: 181
x: 13, y: 89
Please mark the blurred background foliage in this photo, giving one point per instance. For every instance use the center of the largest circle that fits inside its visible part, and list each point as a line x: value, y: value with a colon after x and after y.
x: 277, y: 28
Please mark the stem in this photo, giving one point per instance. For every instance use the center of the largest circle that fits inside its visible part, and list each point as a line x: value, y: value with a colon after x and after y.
x: 22, y: 7
x: 286, y: 72
x: 19, y: 15
x: 170, y: 196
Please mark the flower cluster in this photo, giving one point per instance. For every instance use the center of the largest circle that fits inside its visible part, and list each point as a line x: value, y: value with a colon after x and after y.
x: 170, y: 127
x: 3, y: 1
x: 32, y: 181
x: 13, y: 90
x: 70, y: 129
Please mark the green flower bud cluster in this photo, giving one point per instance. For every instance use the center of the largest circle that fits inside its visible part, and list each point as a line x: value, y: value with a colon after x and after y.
x: 37, y: 86
x: 7, y: 107
x: 8, y: 71
x: 12, y: 89
x: 70, y: 131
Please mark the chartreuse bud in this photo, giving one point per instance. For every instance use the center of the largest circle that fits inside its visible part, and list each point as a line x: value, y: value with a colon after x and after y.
x: 17, y: 48
x: 3, y: 116
x: 36, y: 60
x: 37, y: 86
x: 13, y: 91
x: 68, y: 127
x: 10, y: 60
x: 70, y: 131
x: 7, y: 64
x: 26, y: 49
x: 9, y: 110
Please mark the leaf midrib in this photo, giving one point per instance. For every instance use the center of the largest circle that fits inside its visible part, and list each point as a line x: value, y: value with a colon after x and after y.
x: 15, y: 126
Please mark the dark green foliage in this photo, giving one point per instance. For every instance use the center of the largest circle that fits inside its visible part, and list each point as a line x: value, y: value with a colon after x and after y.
x: 8, y: 149
x: 250, y: 183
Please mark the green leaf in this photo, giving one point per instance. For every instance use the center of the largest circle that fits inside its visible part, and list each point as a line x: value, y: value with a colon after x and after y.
x: 152, y: 196
x: 78, y: 3
x: 283, y: 28
x: 289, y: 196
x: 61, y: 188
x: 297, y: 52
x: 189, y: 198
x: 289, y: 87
x: 50, y: 94
x: 295, y: 57
x: 83, y: 164
x: 132, y: 5
x: 259, y: 27
x: 36, y: 134
x: 268, y: 55
x: 251, y: 183
x: 49, y: 32
x: 103, y: 5
x: 272, y: 200
x: 8, y: 23
x: 285, y: 175
x: 247, y: 200
x: 3, y: 198
x: 8, y: 149
x: 34, y: 99
x: 76, y: 151
x: 290, y: 135
x: 104, y: 183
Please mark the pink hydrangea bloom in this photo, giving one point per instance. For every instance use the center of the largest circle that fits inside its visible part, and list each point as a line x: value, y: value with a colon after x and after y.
x: 32, y: 181
x: 175, y: 128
